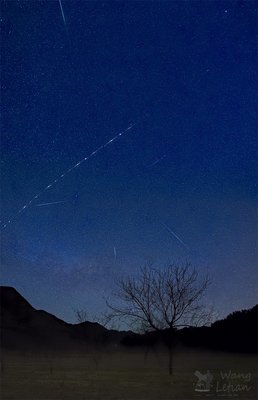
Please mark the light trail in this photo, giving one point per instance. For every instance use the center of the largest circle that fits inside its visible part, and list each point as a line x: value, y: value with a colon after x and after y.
x: 157, y: 161
x: 175, y: 235
x: 53, y: 202
x: 62, y: 12
x: 55, y: 181
x: 114, y: 253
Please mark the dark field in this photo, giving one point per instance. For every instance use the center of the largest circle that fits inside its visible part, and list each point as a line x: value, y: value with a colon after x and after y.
x: 126, y: 375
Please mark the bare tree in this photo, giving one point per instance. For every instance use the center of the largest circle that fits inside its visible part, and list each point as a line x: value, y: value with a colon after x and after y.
x: 81, y: 315
x: 162, y: 300
x: 104, y: 319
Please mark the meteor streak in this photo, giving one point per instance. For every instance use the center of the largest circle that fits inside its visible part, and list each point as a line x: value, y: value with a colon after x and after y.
x: 158, y: 160
x: 177, y: 237
x: 55, y: 181
x: 62, y: 12
x: 53, y: 202
x: 114, y: 252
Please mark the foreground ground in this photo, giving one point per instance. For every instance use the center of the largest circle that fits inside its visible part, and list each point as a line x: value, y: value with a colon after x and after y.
x: 124, y: 375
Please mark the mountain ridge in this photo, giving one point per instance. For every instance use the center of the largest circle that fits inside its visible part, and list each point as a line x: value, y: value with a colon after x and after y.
x: 25, y: 327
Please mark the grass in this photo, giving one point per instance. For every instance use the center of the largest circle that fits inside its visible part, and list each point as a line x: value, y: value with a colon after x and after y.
x: 123, y: 375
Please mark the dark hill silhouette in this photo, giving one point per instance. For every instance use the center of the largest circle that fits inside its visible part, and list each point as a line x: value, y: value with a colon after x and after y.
x: 23, y: 327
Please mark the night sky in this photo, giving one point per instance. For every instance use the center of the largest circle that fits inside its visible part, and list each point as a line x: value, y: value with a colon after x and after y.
x: 184, y: 72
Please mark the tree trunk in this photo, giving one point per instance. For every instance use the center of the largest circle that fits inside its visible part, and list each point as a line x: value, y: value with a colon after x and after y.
x: 170, y: 342
x: 170, y: 361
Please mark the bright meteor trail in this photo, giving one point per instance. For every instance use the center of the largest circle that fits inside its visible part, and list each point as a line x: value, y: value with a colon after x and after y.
x: 53, y: 202
x: 67, y: 172
x: 62, y: 12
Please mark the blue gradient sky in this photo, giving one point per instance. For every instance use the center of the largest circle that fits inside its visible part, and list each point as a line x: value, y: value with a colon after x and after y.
x: 185, y: 72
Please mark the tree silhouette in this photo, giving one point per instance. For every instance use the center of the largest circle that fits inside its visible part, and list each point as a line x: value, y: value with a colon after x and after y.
x: 81, y: 315
x: 162, y: 300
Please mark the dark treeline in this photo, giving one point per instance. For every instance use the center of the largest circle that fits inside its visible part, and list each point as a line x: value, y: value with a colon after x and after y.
x: 238, y: 332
